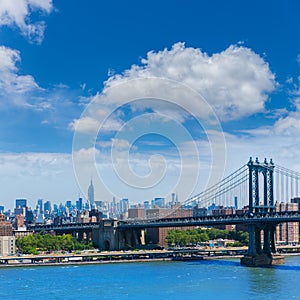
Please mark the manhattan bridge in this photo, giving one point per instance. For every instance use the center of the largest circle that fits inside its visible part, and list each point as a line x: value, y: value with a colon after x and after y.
x: 260, y: 187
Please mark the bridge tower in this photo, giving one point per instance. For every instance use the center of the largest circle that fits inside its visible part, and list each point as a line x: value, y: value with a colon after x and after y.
x: 259, y: 255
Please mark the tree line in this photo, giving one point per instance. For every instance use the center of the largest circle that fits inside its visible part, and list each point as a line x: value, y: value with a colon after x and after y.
x: 192, y: 237
x: 35, y: 243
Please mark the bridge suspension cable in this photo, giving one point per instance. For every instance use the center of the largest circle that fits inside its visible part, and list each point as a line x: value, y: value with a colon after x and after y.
x: 233, y: 190
x: 236, y: 185
x: 286, y: 184
x: 214, y: 193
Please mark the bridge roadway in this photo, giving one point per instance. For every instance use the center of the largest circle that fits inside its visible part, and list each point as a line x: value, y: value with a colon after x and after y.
x: 247, y: 219
x: 67, y: 227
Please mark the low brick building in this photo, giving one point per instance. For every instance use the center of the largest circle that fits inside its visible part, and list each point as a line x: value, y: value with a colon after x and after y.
x: 158, y: 235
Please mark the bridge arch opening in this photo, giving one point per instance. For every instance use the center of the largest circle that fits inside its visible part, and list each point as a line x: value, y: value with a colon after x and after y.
x: 106, y: 245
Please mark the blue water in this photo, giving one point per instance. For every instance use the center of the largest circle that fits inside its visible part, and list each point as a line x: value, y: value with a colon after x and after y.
x: 218, y: 279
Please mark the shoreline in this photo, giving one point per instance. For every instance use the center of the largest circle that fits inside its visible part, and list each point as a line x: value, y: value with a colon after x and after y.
x: 124, y: 260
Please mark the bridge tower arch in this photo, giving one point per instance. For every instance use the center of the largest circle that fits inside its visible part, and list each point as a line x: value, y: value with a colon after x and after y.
x: 259, y: 254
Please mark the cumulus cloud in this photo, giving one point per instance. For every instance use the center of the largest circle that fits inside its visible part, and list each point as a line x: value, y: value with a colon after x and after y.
x: 290, y: 124
x: 17, y: 13
x: 85, y: 124
x: 229, y: 85
x: 90, y: 125
x: 236, y: 81
x: 10, y: 80
x: 14, y: 87
x: 21, y: 91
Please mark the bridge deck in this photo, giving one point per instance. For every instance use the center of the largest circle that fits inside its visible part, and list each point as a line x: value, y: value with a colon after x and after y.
x: 247, y: 219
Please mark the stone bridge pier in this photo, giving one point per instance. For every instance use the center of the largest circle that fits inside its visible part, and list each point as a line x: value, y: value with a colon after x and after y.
x: 131, y: 238
x: 108, y: 237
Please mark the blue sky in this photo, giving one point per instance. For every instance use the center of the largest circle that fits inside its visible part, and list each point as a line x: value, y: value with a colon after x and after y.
x: 66, y: 66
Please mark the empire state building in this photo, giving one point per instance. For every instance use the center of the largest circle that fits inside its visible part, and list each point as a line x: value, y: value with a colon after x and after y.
x: 91, y: 196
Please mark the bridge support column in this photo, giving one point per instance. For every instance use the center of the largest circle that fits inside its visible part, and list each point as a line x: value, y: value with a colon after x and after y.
x: 251, y: 248
x: 269, y: 239
x: 257, y: 256
x: 258, y: 240
x: 131, y: 238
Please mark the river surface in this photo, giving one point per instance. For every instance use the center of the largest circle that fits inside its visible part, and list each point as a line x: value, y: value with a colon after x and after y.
x: 208, y: 279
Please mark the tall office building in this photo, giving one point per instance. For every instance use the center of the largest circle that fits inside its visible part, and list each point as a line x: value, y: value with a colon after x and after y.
x: 40, y: 205
x: 236, y: 202
x: 91, y: 195
x: 79, y: 204
x: 21, y: 207
x: 124, y: 205
x: 47, y: 207
x: 21, y: 203
x: 69, y: 204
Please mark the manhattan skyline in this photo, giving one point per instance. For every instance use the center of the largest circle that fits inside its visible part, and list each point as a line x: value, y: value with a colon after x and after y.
x: 60, y: 59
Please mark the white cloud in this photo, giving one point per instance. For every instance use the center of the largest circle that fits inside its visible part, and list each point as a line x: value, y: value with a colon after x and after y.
x: 16, y: 89
x: 85, y: 125
x: 90, y: 125
x: 289, y: 125
x: 36, y: 175
x: 185, y: 81
x: 121, y: 144
x: 17, y: 13
x: 19, y: 90
x: 236, y: 81
x: 283, y: 149
x: 10, y: 80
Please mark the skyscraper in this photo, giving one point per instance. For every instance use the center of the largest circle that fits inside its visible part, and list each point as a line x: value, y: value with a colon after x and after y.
x: 124, y: 205
x: 91, y: 196
x: 47, y: 207
x: 40, y: 204
x: 79, y: 205
x: 21, y: 203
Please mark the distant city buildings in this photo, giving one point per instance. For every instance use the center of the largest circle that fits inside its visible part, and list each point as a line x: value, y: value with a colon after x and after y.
x: 91, y: 210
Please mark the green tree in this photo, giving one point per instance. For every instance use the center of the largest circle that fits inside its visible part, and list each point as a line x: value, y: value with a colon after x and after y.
x: 31, y: 244
x: 198, y: 235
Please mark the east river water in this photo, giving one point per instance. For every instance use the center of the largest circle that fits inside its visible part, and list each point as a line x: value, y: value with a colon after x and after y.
x: 208, y: 279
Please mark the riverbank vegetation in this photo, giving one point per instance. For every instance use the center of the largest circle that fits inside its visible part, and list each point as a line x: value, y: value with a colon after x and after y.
x: 198, y: 236
x: 36, y: 243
